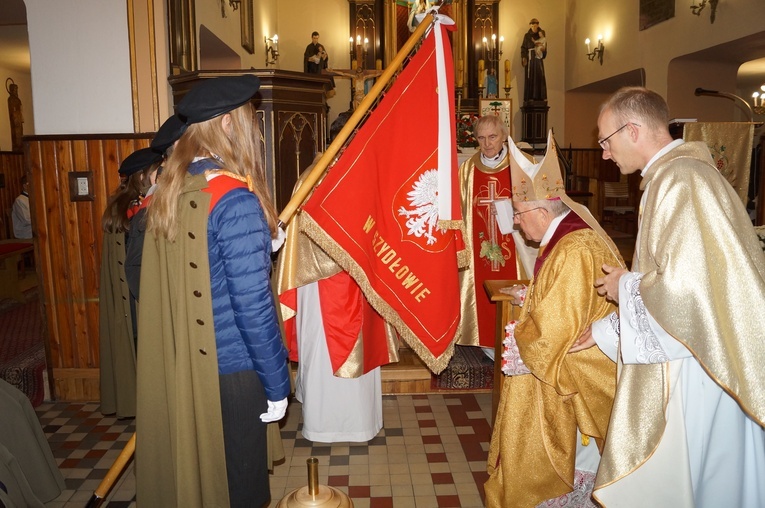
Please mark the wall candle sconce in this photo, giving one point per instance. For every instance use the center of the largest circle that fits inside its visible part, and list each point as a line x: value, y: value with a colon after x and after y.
x: 696, y: 9
x: 597, y: 52
x: 759, y: 105
x: 272, y: 49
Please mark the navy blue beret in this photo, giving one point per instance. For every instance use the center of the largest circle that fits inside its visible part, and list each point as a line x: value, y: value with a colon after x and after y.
x: 168, y: 133
x: 216, y: 96
x: 138, y: 161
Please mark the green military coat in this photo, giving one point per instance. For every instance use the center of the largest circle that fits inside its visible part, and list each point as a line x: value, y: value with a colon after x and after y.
x: 180, y: 457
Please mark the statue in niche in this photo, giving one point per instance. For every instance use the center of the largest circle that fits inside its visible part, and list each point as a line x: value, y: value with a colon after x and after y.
x: 15, y: 115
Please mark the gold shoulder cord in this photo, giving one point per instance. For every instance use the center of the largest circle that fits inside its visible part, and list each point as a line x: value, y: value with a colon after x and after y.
x: 246, y: 179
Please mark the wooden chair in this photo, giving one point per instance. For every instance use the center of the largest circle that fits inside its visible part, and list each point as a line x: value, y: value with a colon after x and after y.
x: 618, y: 211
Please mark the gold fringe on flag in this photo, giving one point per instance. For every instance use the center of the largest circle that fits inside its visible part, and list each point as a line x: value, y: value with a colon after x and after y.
x: 318, y: 235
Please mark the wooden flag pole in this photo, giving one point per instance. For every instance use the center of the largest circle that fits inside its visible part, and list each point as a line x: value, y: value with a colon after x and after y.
x: 111, y: 476
x: 310, y: 181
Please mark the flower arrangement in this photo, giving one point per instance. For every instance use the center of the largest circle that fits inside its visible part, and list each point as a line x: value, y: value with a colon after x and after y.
x: 465, y: 135
x: 512, y: 364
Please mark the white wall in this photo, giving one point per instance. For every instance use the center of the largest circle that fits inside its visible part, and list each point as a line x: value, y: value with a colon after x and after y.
x: 628, y: 48
x: 514, y: 20
x: 80, y: 66
x: 664, y: 51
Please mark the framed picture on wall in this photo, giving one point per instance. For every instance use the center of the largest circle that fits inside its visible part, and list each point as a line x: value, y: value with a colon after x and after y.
x: 247, y: 26
x: 498, y: 107
x: 653, y: 12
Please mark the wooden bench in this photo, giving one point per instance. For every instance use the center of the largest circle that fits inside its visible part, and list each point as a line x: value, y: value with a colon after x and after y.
x: 13, y: 282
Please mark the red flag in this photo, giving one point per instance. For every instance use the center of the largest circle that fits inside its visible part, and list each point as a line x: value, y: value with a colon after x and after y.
x: 377, y: 211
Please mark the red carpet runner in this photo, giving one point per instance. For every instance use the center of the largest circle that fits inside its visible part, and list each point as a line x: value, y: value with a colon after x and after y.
x: 22, y: 351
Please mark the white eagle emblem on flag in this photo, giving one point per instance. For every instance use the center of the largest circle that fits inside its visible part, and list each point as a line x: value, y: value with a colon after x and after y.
x: 422, y: 220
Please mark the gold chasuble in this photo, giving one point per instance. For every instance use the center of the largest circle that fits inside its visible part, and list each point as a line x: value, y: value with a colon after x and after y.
x: 704, y: 283
x: 532, y: 457
x: 491, y: 254
x: 533, y: 446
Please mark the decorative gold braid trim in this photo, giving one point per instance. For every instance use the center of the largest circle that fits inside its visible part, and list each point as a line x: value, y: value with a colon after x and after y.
x: 224, y: 172
x: 463, y: 258
x: 450, y: 224
x: 342, y: 258
x: 287, y: 312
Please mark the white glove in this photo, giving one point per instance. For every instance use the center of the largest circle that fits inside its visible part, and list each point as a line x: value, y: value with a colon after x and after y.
x: 276, y: 243
x: 275, y: 412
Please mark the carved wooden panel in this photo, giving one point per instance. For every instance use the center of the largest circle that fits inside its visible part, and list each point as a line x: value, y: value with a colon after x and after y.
x: 484, y: 21
x: 366, y: 22
x: 296, y: 136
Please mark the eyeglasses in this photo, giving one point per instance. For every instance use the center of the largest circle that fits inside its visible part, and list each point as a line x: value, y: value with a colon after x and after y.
x: 602, y: 142
x: 517, y: 215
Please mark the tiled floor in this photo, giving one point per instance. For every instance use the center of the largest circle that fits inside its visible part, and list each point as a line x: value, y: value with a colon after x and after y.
x: 430, y: 453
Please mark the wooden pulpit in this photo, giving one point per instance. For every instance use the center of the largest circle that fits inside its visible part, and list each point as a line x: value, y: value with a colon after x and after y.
x: 506, y: 312
x: 291, y: 110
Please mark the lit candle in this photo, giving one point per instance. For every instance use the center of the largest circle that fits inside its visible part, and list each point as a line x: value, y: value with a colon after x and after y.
x: 501, y: 40
x: 754, y: 99
x: 485, y: 43
x: 493, y: 41
x: 366, y: 42
x: 358, y: 40
x: 459, y: 73
x: 507, y: 73
x: 587, y: 41
x: 350, y: 42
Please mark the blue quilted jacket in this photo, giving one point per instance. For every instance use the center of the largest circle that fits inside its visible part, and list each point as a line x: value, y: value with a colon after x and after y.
x: 247, y: 333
